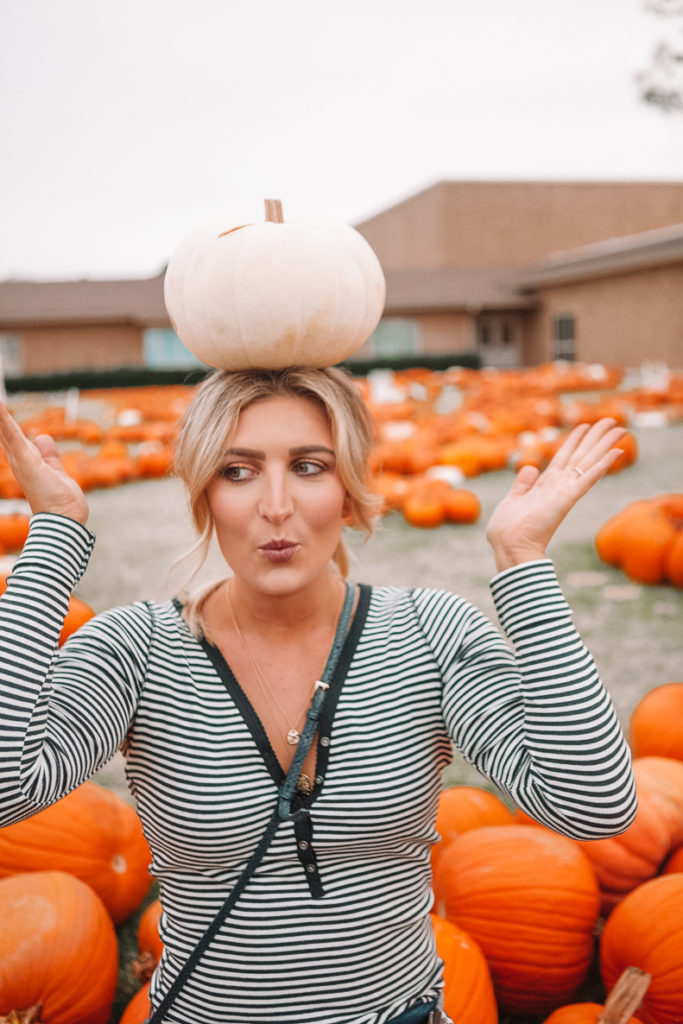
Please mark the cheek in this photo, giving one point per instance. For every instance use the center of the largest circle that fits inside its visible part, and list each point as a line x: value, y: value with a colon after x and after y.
x: 328, y: 510
x: 224, y: 505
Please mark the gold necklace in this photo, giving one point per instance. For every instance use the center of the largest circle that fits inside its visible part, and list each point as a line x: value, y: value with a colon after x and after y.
x: 293, y: 734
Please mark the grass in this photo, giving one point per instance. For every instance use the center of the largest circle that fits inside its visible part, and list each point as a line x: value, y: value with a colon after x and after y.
x: 634, y: 632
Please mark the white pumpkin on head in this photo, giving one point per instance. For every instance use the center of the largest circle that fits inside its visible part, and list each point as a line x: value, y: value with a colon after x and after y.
x: 274, y: 294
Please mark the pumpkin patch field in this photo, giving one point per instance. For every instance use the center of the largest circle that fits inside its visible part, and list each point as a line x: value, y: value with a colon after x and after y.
x: 533, y: 928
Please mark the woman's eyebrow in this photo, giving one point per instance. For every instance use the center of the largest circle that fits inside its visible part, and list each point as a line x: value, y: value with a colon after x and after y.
x: 302, y: 449
x: 245, y: 453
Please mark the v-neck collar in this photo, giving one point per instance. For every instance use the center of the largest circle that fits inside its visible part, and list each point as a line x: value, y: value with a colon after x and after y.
x: 251, y: 718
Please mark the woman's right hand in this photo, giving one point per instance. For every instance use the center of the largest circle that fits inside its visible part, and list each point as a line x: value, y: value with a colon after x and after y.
x: 39, y: 472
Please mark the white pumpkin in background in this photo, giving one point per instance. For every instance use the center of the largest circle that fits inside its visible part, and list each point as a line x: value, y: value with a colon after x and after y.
x: 274, y: 294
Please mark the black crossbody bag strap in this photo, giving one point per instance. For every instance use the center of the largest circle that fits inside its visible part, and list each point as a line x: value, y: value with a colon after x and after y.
x: 282, y: 812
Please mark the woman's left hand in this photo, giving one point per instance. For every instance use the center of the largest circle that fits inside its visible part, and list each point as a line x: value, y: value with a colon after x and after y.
x: 523, y: 523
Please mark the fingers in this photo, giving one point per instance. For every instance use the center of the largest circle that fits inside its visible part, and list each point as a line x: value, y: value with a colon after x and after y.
x: 524, y: 481
x: 563, y: 455
x: 602, y: 436
x: 39, y: 471
x: 588, y: 449
x: 48, y: 449
x: 20, y: 451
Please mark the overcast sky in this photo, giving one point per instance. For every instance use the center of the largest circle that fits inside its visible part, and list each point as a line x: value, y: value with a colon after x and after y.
x: 125, y: 123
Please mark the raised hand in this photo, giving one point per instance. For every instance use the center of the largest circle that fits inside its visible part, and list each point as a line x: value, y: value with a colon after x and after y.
x: 39, y: 472
x: 523, y: 523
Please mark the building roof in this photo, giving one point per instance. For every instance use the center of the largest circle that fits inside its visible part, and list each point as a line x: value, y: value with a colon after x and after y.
x: 559, y: 185
x: 448, y: 289
x: 410, y: 291
x: 39, y: 303
x: 612, y: 256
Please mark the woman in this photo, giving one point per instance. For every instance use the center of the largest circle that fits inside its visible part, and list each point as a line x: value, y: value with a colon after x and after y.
x: 208, y: 699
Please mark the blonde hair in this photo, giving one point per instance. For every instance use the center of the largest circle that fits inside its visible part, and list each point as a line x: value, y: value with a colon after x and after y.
x: 212, y: 417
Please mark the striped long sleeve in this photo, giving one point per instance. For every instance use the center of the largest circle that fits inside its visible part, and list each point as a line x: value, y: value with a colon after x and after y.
x: 54, y: 739
x: 536, y: 720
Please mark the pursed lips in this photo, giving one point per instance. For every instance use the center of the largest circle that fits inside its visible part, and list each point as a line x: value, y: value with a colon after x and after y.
x: 278, y: 551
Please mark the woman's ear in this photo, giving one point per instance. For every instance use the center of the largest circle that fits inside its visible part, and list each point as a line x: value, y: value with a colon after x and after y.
x: 347, y: 518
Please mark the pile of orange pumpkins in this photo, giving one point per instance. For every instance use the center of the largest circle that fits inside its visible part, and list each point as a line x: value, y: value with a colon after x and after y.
x: 132, y: 438
x: 68, y: 876
x: 539, y: 915
x: 442, y: 429
x: 434, y: 431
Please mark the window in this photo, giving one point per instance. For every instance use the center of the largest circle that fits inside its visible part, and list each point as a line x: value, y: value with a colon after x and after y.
x: 484, y: 334
x: 564, y: 337
x: 395, y: 337
x: 10, y: 355
x: 164, y: 350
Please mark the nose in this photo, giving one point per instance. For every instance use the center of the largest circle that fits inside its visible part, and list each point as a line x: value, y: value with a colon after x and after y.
x: 275, y: 502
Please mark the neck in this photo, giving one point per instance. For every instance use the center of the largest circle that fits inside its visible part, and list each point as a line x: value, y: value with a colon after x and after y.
x: 316, y: 605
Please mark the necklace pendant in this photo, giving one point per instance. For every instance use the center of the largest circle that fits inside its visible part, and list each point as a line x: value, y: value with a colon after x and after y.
x: 293, y: 737
x: 304, y: 785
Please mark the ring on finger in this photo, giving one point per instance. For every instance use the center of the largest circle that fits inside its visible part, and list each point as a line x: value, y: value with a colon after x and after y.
x: 579, y: 472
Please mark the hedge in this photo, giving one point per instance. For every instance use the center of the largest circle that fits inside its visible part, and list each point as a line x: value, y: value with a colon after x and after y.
x: 137, y: 376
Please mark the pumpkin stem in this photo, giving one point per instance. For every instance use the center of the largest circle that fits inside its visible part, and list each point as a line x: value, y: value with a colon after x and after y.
x: 142, y: 967
x: 274, y: 211
x: 625, y: 997
x: 29, y: 1016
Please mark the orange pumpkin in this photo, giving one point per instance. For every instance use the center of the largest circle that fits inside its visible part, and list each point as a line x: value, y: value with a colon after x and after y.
x: 57, y: 947
x: 468, y: 989
x: 391, y: 488
x: 642, y: 540
x: 625, y: 861
x: 464, y: 455
x: 88, y: 432
x: 656, y: 722
x: 673, y: 561
x: 646, y: 931
x: 154, y: 459
x: 78, y: 613
x: 14, y: 531
x: 629, y: 452
x: 625, y: 997
x: 149, y: 940
x: 139, y: 1008
x: 530, y: 899
x: 112, y: 465
x: 461, y: 506
x: 423, y: 505
x: 462, y: 808
x: 78, y: 465
x: 91, y: 833
x: 663, y: 774
x: 150, y: 946
x: 673, y: 863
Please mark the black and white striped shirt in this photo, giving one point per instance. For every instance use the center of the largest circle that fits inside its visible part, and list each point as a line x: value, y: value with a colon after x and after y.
x: 420, y: 669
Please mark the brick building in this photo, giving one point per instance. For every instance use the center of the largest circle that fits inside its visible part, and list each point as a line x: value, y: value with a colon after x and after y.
x: 522, y: 272
x: 526, y: 272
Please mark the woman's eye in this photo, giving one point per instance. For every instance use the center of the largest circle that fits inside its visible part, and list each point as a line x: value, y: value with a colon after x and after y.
x: 308, y: 468
x: 236, y: 473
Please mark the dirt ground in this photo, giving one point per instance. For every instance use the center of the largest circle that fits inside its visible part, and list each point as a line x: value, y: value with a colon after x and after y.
x: 634, y: 632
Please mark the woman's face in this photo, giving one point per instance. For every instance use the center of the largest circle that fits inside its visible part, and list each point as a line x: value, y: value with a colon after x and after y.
x: 278, y: 502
